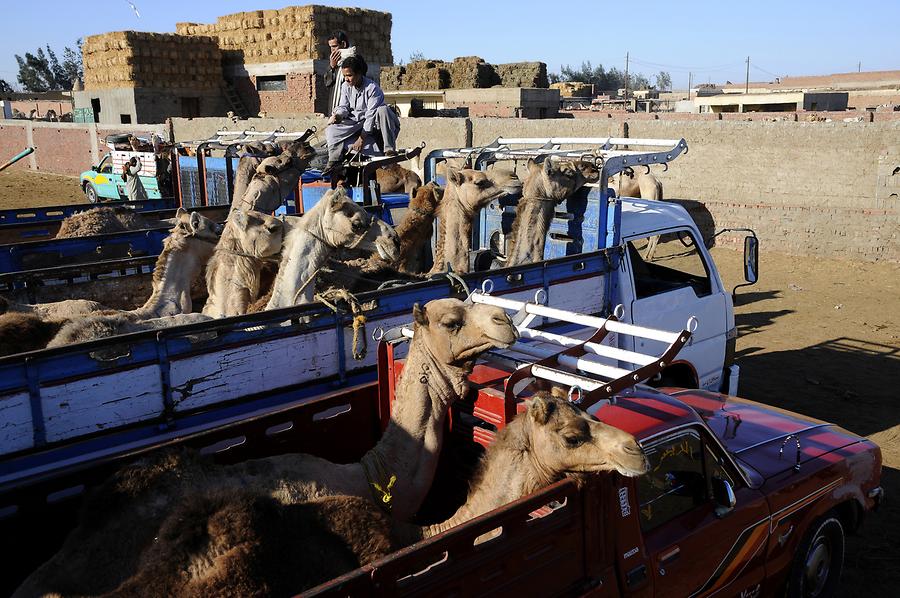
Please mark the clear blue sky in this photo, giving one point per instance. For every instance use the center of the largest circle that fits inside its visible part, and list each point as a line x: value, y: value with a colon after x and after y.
x: 710, y: 38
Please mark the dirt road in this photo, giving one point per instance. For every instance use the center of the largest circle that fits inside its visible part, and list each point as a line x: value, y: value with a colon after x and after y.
x: 822, y: 337
x: 21, y: 188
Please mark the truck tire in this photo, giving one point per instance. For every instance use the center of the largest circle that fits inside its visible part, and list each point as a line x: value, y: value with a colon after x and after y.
x: 817, y: 566
x: 91, y: 193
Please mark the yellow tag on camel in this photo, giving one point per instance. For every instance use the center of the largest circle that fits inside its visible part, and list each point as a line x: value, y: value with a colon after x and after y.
x: 386, y: 496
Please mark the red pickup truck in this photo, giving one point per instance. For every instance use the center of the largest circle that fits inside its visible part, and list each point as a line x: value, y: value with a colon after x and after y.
x: 742, y: 499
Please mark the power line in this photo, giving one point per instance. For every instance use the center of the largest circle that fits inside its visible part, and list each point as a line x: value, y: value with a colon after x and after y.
x: 675, y: 67
x: 764, y: 70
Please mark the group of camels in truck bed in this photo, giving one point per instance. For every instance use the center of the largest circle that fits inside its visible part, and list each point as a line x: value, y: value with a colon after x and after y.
x: 257, y: 261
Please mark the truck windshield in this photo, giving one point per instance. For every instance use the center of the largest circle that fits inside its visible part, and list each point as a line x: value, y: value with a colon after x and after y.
x: 666, y: 262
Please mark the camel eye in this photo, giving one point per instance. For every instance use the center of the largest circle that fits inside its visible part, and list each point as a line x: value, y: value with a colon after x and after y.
x: 573, y: 441
x: 451, y: 324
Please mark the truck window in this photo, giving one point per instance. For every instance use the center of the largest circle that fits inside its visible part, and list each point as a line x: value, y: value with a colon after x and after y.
x: 674, y: 262
x: 676, y: 482
x: 106, y: 164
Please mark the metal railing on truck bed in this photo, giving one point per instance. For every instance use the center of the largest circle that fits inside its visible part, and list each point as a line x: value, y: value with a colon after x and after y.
x: 54, y: 213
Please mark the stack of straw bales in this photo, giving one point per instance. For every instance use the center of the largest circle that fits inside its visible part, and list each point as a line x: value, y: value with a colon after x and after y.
x: 159, y: 60
x: 466, y: 72
x: 296, y: 33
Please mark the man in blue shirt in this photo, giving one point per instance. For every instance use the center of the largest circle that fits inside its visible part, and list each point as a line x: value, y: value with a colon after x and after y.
x: 360, y: 111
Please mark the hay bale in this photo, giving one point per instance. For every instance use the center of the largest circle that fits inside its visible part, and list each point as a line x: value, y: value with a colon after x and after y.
x: 467, y: 72
x: 522, y: 74
x: 392, y: 78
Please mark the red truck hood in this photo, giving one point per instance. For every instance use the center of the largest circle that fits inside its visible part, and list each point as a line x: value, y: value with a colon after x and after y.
x: 758, y: 435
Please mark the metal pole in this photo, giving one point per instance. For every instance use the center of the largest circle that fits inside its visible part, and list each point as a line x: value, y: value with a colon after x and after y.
x: 747, y: 84
x: 626, y: 81
x: 690, y: 82
x: 26, y: 152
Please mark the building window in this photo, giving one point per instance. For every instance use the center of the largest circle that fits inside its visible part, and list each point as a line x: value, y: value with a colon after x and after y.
x: 271, y: 83
x: 125, y: 119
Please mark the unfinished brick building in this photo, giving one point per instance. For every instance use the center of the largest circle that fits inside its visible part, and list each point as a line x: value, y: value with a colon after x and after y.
x: 268, y: 61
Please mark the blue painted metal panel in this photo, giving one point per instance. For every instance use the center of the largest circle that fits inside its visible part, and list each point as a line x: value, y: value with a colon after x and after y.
x: 57, y: 252
x: 54, y: 213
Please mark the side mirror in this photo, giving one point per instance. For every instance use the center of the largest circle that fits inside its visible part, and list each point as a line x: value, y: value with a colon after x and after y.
x: 751, y: 259
x: 95, y: 168
x: 723, y: 494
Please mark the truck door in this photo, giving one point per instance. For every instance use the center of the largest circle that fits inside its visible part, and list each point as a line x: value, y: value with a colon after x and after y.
x: 696, y: 546
x: 107, y: 182
x: 672, y: 280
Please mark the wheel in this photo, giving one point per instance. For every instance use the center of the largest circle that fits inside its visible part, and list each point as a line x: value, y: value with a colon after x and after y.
x: 817, y: 566
x: 91, y: 193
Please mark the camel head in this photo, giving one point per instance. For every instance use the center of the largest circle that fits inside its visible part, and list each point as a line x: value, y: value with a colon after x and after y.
x: 456, y: 333
x: 566, y: 441
x: 194, y: 224
x: 257, y: 234
x: 554, y: 180
x: 427, y: 197
x: 475, y: 189
x: 300, y: 151
x: 346, y: 224
x: 258, y: 148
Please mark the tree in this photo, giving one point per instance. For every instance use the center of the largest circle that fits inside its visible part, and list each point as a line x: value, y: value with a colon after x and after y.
x: 43, y: 72
x: 607, y: 80
x: 5, y: 87
x: 663, y: 81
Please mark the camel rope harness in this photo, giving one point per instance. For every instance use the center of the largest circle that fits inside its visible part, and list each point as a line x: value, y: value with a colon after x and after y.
x: 330, y: 299
x: 381, y: 489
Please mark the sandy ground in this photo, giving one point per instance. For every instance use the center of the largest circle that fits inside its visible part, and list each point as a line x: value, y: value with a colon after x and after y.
x: 817, y: 336
x: 21, y: 188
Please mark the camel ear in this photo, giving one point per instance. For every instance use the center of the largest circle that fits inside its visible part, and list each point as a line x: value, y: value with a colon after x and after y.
x: 540, y: 409
x: 179, y: 212
x: 438, y: 191
x: 547, y: 166
x: 195, y: 222
x: 419, y: 315
x: 532, y: 166
x: 456, y: 177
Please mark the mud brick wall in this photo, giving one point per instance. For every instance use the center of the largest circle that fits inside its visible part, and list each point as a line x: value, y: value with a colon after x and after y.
x: 296, y: 33
x: 13, y: 139
x: 158, y: 60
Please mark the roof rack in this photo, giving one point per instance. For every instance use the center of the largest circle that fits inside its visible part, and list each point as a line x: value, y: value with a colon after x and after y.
x: 231, y: 140
x: 613, y: 154
x: 593, y: 371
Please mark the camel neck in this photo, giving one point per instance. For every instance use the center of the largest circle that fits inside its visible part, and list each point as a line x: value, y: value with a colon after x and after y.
x: 179, y: 263
x: 305, y: 252
x: 508, y: 472
x: 456, y: 223
x: 533, y: 216
x: 412, y: 442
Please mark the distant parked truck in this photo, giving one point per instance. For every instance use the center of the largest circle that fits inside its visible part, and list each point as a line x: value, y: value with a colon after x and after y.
x: 104, y: 181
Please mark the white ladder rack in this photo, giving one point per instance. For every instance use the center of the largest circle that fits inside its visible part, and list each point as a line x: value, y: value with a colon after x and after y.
x: 592, y: 370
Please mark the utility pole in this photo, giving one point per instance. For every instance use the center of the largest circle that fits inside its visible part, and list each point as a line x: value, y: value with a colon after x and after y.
x: 747, y: 84
x: 690, y: 80
x: 859, y: 67
x: 626, y: 81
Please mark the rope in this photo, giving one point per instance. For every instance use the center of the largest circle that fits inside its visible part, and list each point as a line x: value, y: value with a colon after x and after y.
x: 457, y: 282
x: 311, y: 278
x: 330, y: 299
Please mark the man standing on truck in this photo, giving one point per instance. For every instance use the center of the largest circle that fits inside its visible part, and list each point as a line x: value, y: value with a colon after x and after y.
x: 133, y: 185
x: 360, y: 112
x: 340, y: 47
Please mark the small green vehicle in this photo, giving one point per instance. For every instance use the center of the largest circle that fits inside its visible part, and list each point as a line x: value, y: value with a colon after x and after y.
x: 104, y: 181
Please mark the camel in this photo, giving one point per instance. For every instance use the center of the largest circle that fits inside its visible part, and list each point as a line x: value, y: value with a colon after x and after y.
x: 335, y: 222
x: 101, y: 221
x: 254, y: 154
x: 185, y: 253
x: 417, y: 227
x: 393, y: 178
x: 545, y: 188
x: 642, y: 186
x: 107, y: 324
x: 56, y: 310
x: 467, y: 193
x: 233, y: 272
x: 21, y: 332
x: 124, y: 517
x: 275, y: 178
x: 235, y: 543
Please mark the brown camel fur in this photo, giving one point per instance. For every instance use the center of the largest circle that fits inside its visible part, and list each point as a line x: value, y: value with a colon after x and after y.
x: 640, y: 185
x: 233, y: 273
x: 185, y: 253
x: 417, y: 227
x: 467, y: 193
x: 101, y: 221
x: 236, y: 543
x: 546, y: 187
x: 108, y: 324
x: 393, y: 178
x: 275, y: 178
x: 57, y: 310
x: 125, y: 515
x: 21, y: 332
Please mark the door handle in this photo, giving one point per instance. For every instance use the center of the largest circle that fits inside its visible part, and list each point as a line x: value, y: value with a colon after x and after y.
x: 667, y: 558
